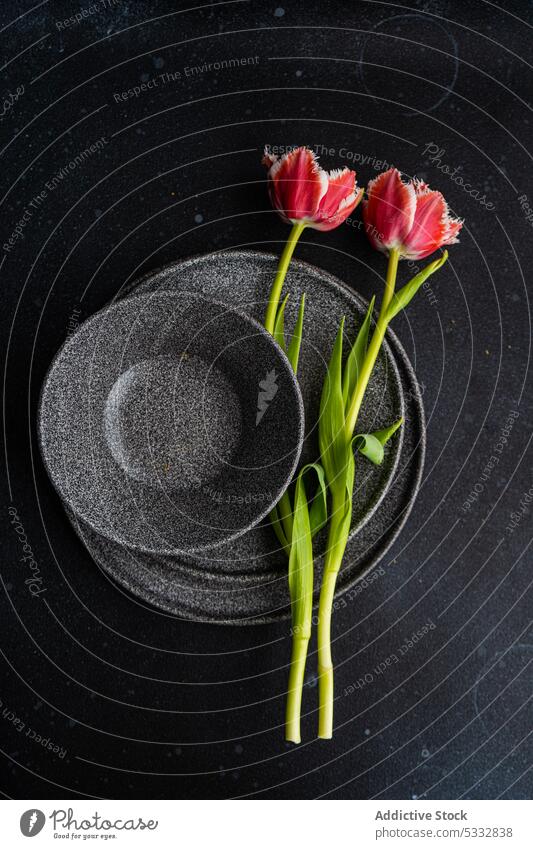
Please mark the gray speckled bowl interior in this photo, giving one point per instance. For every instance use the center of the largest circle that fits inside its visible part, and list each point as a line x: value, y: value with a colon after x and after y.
x: 170, y: 423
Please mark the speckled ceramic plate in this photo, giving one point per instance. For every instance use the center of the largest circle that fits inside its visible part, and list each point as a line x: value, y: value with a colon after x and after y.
x: 154, y: 428
x: 245, y: 582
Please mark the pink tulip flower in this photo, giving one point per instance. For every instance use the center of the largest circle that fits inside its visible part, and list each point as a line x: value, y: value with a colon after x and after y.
x: 408, y: 217
x: 301, y: 191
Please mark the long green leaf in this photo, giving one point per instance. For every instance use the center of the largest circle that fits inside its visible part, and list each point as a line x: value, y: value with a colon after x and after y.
x: 318, y: 515
x: 342, y: 505
x: 331, y: 437
x: 293, y: 351
x: 301, y: 586
x: 343, y: 528
x: 405, y: 295
x: 278, y: 530
x: 354, y: 363
x: 279, y: 326
x: 285, y: 510
x: 301, y: 561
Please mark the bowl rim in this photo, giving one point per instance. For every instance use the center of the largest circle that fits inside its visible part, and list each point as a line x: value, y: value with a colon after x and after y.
x: 118, y: 302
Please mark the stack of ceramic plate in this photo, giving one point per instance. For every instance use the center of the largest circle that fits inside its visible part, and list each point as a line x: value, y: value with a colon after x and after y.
x: 170, y: 423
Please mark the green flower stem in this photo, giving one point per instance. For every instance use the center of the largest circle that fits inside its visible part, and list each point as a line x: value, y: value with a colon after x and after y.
x: 300, y: 645
x: 339, y: 530
x: 336, y: 546
x: 374, y: 346
x: 270, y: 318
x: 281, y: 518
x: 306, y: 522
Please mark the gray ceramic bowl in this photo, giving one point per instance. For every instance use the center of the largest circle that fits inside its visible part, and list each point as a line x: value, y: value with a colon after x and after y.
x: 171, y: 423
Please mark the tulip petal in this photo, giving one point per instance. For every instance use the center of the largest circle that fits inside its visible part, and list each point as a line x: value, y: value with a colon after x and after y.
x: 341, y: 183
x: 296, y: 184
x: 346, y: 207
x: 269, y: 158
x: 432, y: 226
x: 340, y: 199
x: 389, y: 211
x: 452, y: 227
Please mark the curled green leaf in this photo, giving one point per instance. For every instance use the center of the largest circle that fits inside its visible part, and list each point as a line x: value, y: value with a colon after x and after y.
x: 385, y: 434
x: 370, y: 445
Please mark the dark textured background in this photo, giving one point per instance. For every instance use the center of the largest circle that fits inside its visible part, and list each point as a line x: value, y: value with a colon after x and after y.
x: 147, y: 706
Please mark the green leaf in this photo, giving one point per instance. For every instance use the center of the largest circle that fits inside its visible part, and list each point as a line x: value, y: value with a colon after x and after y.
x: 279, y: 326
x: 301, y: 561
x: 331, y: 437
x: 343, y: 528
x: 341, y: 509
x: 293, y: 351
x: 404, y: 295
x: 352, y: 368
x: 318, y: 514
x: 385, y: 434
x: 285, y: 510
x: 278, y: 530
x: 371, y: 444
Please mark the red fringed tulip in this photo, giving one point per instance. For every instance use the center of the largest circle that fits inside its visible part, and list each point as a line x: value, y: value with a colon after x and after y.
x: 407, y: 217
x: 305, y: 195
x: 403, y: 220
x: 301, y: 191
